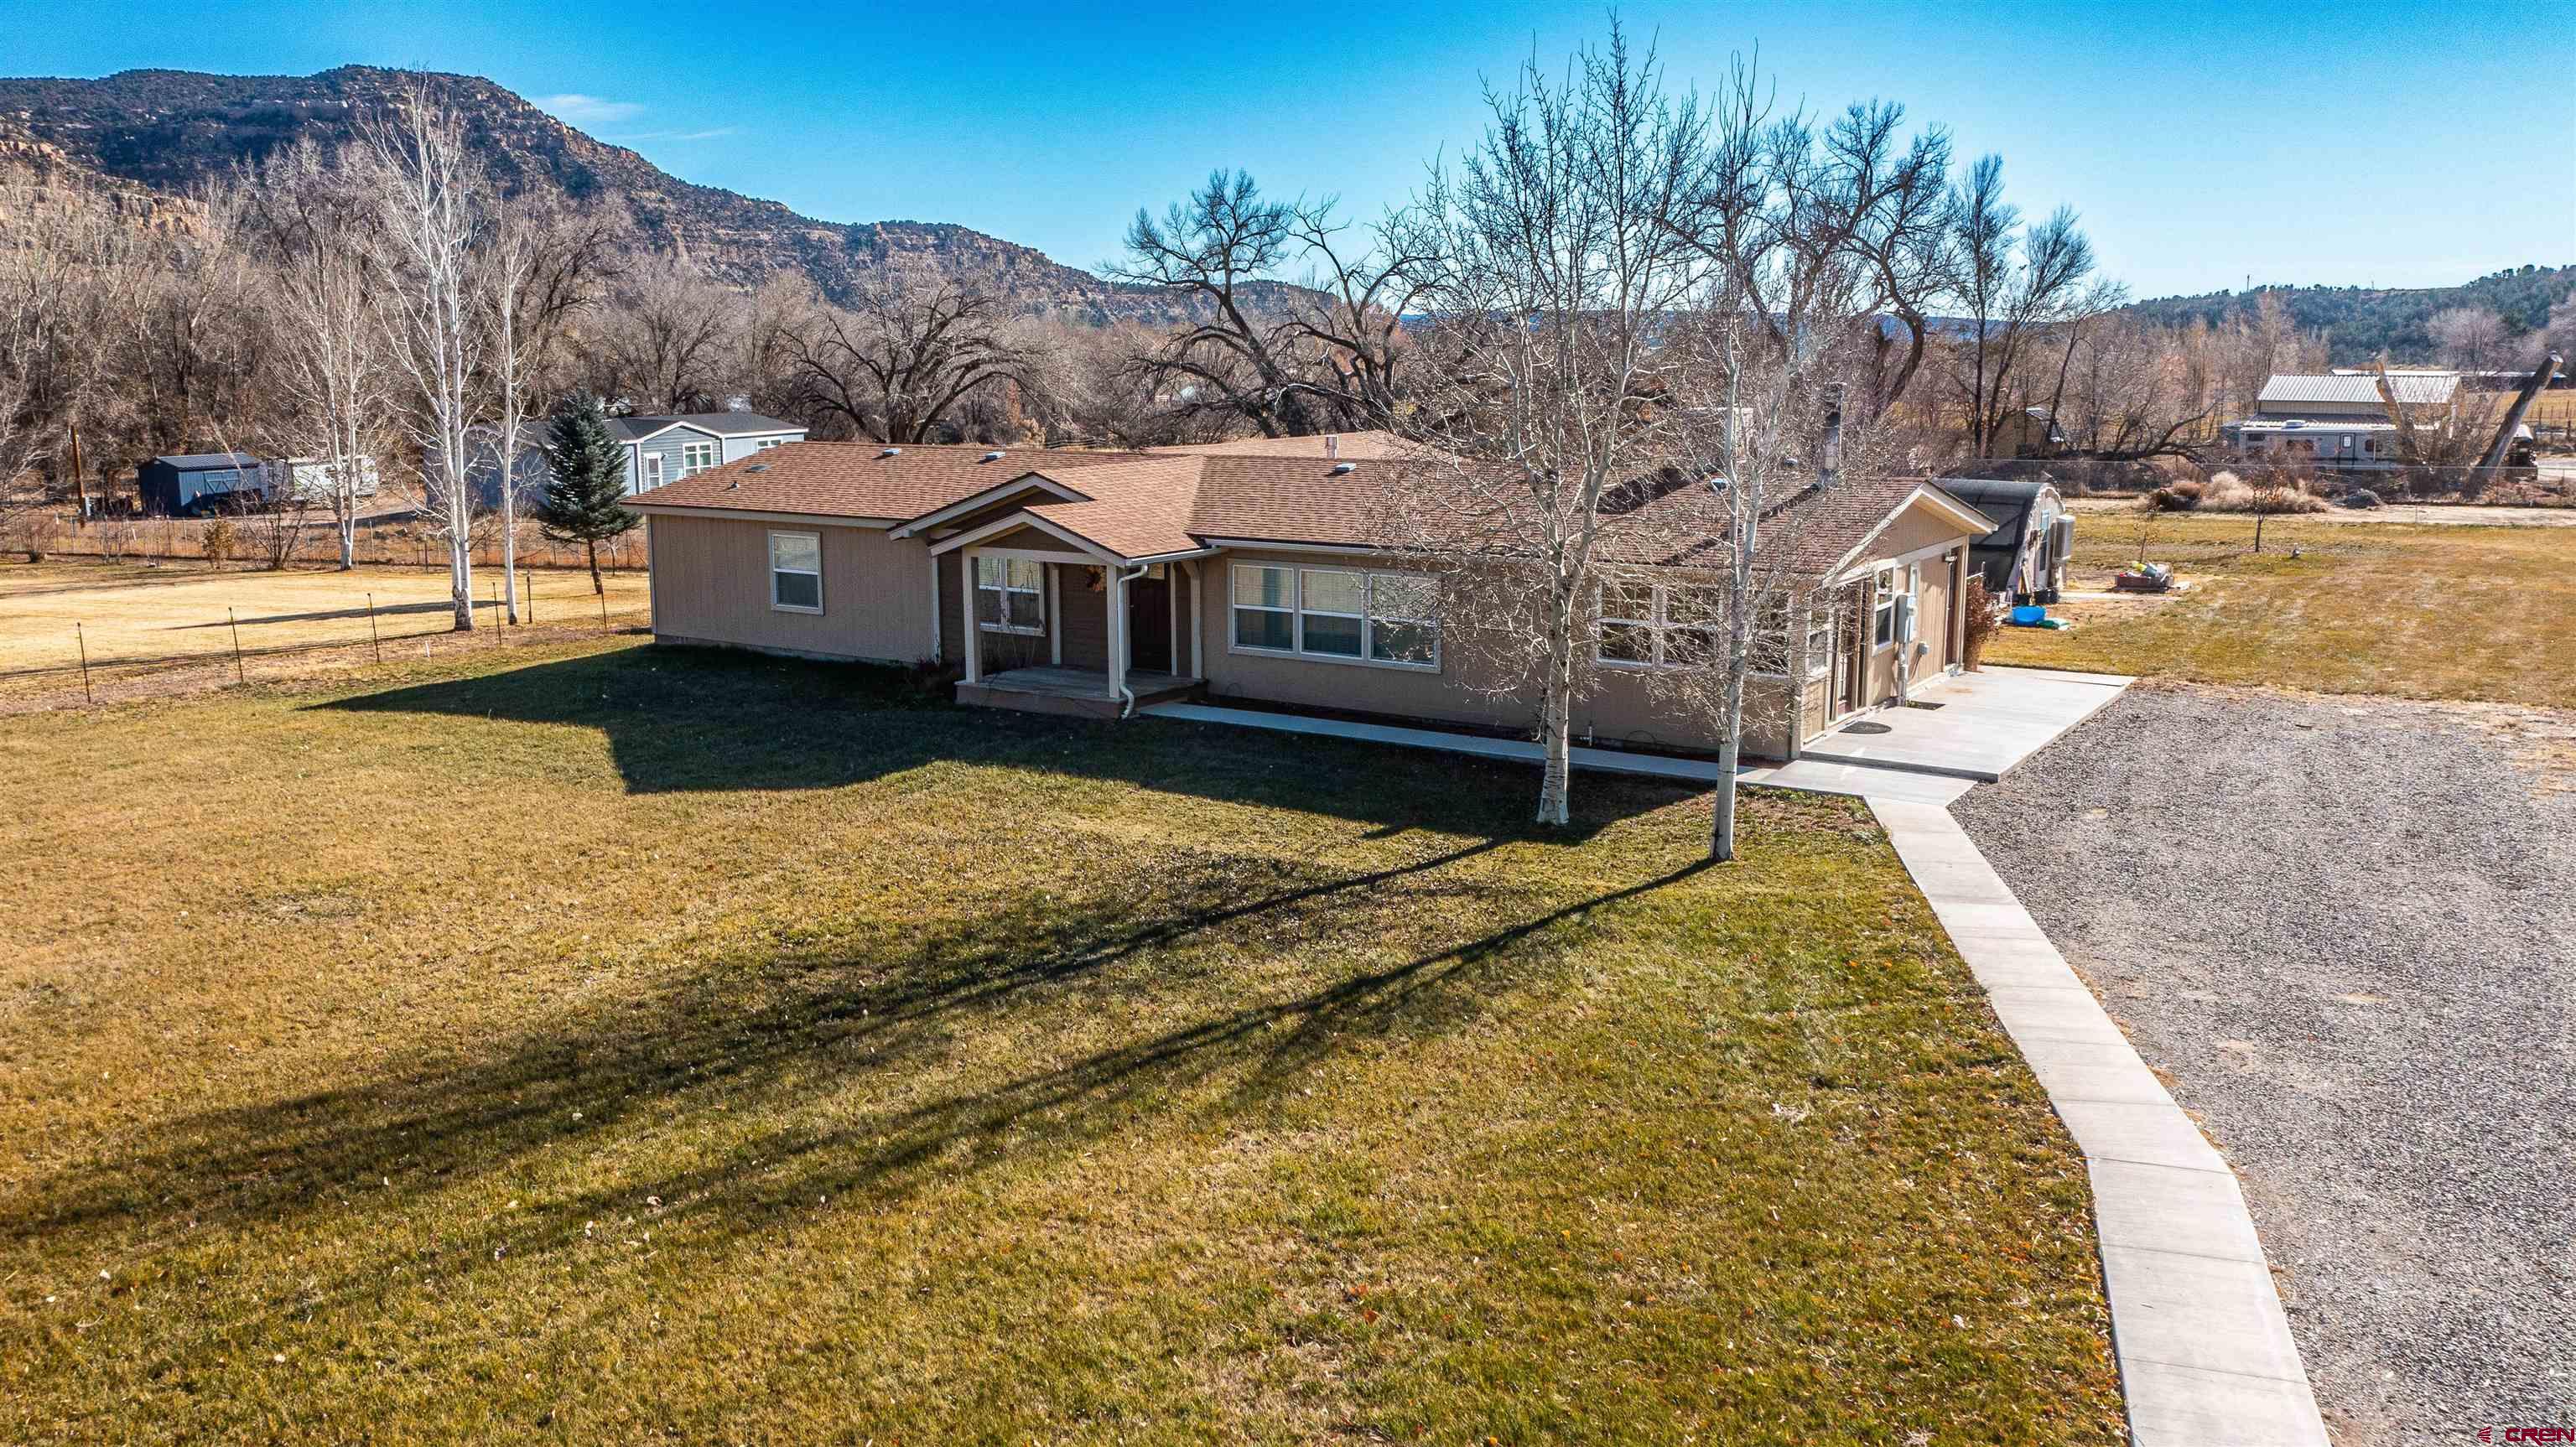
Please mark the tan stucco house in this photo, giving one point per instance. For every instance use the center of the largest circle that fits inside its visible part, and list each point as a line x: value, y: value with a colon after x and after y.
x: 1094, y: 582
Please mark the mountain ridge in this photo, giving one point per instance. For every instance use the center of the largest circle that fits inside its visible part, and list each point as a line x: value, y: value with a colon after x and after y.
x: 164, y: 132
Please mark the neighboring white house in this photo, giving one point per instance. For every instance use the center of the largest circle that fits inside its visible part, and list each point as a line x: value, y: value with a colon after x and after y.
x: 658, y: 450
x: 2336, y: 420
x: 310, y: 477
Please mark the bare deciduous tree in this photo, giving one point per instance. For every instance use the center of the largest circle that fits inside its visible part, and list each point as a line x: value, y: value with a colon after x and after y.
x: 2471, y: 338
x: 314, y: 222
x: 1558, y: 263
x: 2013, y: 281
x: 431, y: 204
x: 898, y: 366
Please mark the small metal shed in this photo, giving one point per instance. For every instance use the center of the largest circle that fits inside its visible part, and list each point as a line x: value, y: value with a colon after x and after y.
x: 187, y: 484
x: 2024, y: 558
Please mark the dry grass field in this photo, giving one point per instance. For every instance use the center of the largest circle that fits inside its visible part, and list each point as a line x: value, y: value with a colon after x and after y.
x: 177, y: 610
x: 613, y: 1043
x: 2447, y: 611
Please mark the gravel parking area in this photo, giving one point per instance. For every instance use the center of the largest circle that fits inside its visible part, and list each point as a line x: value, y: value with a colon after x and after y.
x: 2345, y: 932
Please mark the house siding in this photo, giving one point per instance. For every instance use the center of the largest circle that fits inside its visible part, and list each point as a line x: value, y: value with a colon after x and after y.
x: 711, y: 585
x: 667, y: 447
x: 1620, y: 708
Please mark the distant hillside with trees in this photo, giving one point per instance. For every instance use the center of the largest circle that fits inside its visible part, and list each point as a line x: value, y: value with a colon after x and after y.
x: 2358, y: 323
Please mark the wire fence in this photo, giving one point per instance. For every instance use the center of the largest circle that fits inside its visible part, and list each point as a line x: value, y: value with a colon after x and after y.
x: 239, y: 649
x: 2546, y: 482
x: 392, y: 540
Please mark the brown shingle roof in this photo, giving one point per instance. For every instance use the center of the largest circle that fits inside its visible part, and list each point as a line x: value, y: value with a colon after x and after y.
x: 1347, y: 447
x: 1139, y: 505
x: 855, y: 479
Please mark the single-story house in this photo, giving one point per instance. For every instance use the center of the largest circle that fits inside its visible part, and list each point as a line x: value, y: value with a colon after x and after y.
x: 1092, y: 582
x: 657, y: 450
x: 2024, y: 558
x: 190, y: 483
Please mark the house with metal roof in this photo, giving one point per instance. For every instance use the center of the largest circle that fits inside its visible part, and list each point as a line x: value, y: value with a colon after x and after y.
x: 1100, y: 582
x: 2335, y: 420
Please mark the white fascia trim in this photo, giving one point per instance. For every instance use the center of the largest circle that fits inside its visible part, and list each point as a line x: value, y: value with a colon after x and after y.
x: 1177, y: 557
x: 729, y: 514
x: 692, y: 426
x: 989, y: 496
x: 1091, y: 551
x: 1960, y: 513
x: 1274, y: 546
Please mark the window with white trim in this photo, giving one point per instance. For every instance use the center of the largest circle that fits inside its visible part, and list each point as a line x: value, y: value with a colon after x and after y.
x: 1658, y: 625
x: 1892, y: 611
x: 697, y: 457
x: 1820, y: 640
x: 1337, y: 613
x: 766, y: 443
x: 652, y: 469
x: 796, y: 572
x: 1010, y: 594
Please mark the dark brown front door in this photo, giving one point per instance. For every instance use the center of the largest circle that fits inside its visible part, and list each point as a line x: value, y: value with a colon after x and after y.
x: 1149, y: 625
x: 1851, y: 650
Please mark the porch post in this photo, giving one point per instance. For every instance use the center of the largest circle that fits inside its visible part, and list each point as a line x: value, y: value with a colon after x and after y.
x: 1198, y: 611
x: 974, y: 646
x: 935, y: 645
x: 1054, y: 619
x: 1117, y: 629
x: 1958, y: 609
x: 1172, y: 606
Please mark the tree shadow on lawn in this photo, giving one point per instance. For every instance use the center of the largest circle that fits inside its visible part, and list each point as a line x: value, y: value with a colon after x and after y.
x: 705, y: 719
x: 743, y: 1049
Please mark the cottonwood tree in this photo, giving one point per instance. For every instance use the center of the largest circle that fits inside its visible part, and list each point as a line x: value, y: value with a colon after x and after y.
x: 1286, y: 361
x: 2013, y: 281
x: 2470, y: 338
x: 431, y: 208
x: 899, y: 365
x: 668, y: 341
x: 314, y: 223
x: 1557, y: 262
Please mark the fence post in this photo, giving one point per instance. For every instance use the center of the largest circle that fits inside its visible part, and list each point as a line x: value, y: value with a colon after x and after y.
x: 238, y: 676
x: 373, y: 639
x: 81, y: 636
x: 528, y: 590
x: 496, y: 611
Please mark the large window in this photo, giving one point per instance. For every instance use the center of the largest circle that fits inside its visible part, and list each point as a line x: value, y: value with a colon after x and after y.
x: 1659, y: 625
x: 1010, y: 595
x: 1338, y: 613
x: 696, y: 457
x: 1894, y: 607
x: 796, y: 572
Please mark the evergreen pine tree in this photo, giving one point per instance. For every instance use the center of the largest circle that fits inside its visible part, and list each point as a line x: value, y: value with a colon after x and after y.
x: 586, y: 481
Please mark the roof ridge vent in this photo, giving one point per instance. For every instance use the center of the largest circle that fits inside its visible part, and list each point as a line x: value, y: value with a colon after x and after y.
x: 891, y: 452
x: 1341, y: 467
x: 993, y: 456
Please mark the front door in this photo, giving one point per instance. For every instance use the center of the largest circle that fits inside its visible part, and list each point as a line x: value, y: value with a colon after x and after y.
x: 1149, y: 624
x: 1851, y: 649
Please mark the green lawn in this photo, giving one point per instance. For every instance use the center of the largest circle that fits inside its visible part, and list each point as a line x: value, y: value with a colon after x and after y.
x: 2434, y: 611
x: 606, y: 1043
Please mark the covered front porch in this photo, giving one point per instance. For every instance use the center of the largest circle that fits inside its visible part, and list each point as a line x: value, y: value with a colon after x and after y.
x: 1054, y: 624
x: 1084, y: 692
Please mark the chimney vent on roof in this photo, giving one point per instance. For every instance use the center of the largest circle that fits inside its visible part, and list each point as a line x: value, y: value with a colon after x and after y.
x: 1332, y: 445
x: 891, y: 452
x: 1341, y: 467
x: 992, y: 457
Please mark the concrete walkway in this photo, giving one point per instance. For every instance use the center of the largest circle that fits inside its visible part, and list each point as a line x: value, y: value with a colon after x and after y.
x: 2205, y: 1352
x: 1983, y: 725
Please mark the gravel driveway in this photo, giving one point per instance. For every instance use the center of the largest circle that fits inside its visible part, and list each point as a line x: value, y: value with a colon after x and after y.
x: 2345, y: 931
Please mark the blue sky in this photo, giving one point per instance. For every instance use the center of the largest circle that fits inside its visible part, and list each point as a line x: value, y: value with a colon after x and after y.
x: 2392, y: 145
